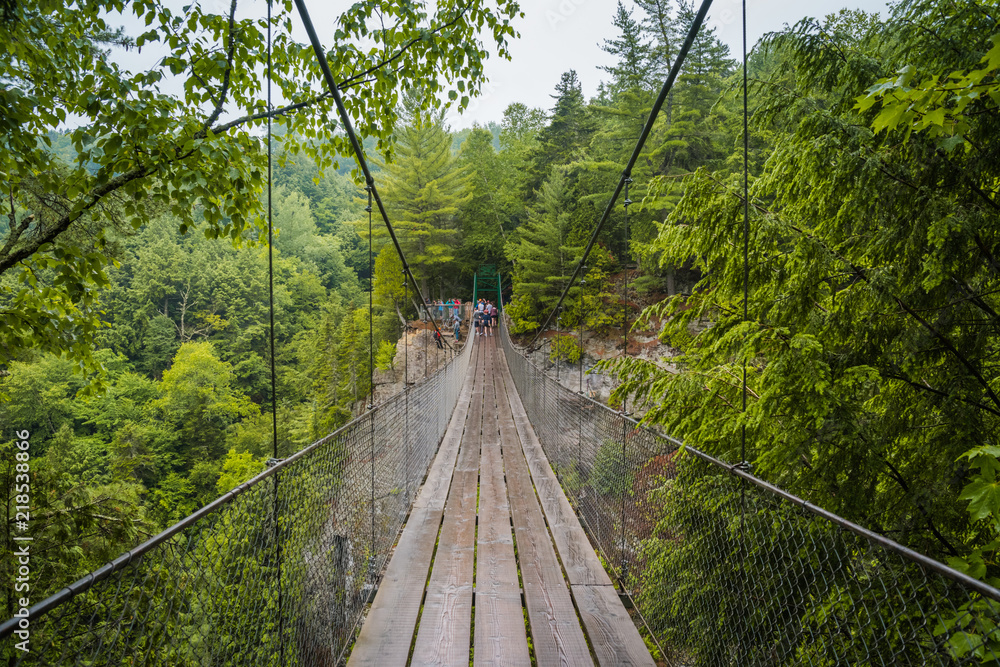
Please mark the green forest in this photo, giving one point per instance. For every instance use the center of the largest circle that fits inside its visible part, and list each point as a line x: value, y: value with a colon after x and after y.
x: 134, y: 259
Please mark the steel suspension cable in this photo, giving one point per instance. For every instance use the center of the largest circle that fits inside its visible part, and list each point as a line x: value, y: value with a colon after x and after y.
x: 270, y: 295
x: 406, y: 386
x: 356, y: 146
x: 746, y: 225
x: 746, y: 304
x: 627, y: 173
x: 371, y: 360
x: 624, y: 564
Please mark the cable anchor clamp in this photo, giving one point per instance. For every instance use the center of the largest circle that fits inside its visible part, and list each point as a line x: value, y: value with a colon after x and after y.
x: 744, y: 466
x: 271, y: 462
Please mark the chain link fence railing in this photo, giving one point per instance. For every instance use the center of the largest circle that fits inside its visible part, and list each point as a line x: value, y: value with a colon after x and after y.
x: 725, y: 569
x: 275, y: 572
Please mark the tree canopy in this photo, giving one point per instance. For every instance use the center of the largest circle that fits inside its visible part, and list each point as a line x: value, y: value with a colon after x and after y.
x: 197, y: 154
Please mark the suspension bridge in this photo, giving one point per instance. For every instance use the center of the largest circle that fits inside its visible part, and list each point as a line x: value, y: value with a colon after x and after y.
x: 490, y: 515
x: 487, y: 514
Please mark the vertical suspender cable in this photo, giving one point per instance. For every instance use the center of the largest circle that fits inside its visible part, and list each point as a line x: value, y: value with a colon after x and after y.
x: 579, y: 447
x: 625, y: 258
x: 359, y: 154
x: 746, y: 224
x: 270, y: 294
x: 622, y: 570
x: 564, y: 458
x: 746, y: 311
x: 406, y: 386
x: 371, y: 307
x: 371, y: 369
x: 583, y: 321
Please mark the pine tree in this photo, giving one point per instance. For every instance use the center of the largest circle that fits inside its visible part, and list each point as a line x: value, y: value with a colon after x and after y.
x: 494, y: 205
x: 568, y: 133
x: 658, y: 25
x: 352, y: 356
x: 424, y: 190
x: 634, y: 54
x: 625, y: 103
x: 543, y: 257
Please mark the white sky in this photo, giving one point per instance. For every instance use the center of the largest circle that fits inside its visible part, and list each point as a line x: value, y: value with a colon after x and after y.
x: 559, y: 35
x: 556, y: 36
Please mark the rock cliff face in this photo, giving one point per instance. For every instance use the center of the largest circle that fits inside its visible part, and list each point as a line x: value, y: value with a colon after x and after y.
x: 417, y: 357
x: 610, y: 343
x: 598, y: 347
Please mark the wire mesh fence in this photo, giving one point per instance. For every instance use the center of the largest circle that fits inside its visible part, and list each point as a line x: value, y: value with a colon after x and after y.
x: 276, y: 572
x: 728, y: 570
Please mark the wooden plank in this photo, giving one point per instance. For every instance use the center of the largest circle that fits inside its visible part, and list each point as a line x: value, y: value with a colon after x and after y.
x: 579, y: 558
x: 445, y: 629
x: 446, y: 620
x: 500, y: 637
x: 388, y: 628
x: 612, y: 633
x: 494, y: 511
x: 556, y: 634
x: 500, y: 634
x: 474, y: 423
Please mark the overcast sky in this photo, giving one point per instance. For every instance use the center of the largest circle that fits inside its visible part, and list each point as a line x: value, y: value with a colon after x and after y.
x: 556, y: 36
x: 559, y: 35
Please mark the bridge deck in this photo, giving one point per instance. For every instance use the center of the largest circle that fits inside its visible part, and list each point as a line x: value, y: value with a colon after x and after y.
x: 492, y: 553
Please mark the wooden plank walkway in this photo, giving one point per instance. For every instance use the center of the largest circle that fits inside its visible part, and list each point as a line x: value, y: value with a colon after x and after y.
x: 493, y: 567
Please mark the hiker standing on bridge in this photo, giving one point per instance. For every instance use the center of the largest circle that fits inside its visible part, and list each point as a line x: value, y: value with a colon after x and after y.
x: 478, y: 318
x: 488, y: 316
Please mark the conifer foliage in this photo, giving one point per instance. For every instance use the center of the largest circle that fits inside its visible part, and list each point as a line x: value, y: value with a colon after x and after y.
x: 424, y: 190
x: 872, y: 334
x: 543, y: 259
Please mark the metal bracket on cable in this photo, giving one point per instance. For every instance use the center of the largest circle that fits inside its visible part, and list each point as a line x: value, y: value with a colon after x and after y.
x: 744, y: 466
x: 271, y: 462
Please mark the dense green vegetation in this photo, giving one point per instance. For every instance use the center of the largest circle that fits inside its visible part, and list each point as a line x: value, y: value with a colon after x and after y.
x: 134, y: 292
x: 872, y: 329
x: 134, y: 280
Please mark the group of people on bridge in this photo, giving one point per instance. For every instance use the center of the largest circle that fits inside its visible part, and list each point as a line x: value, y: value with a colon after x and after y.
x: 484, y: 316
x: 451, y: 307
